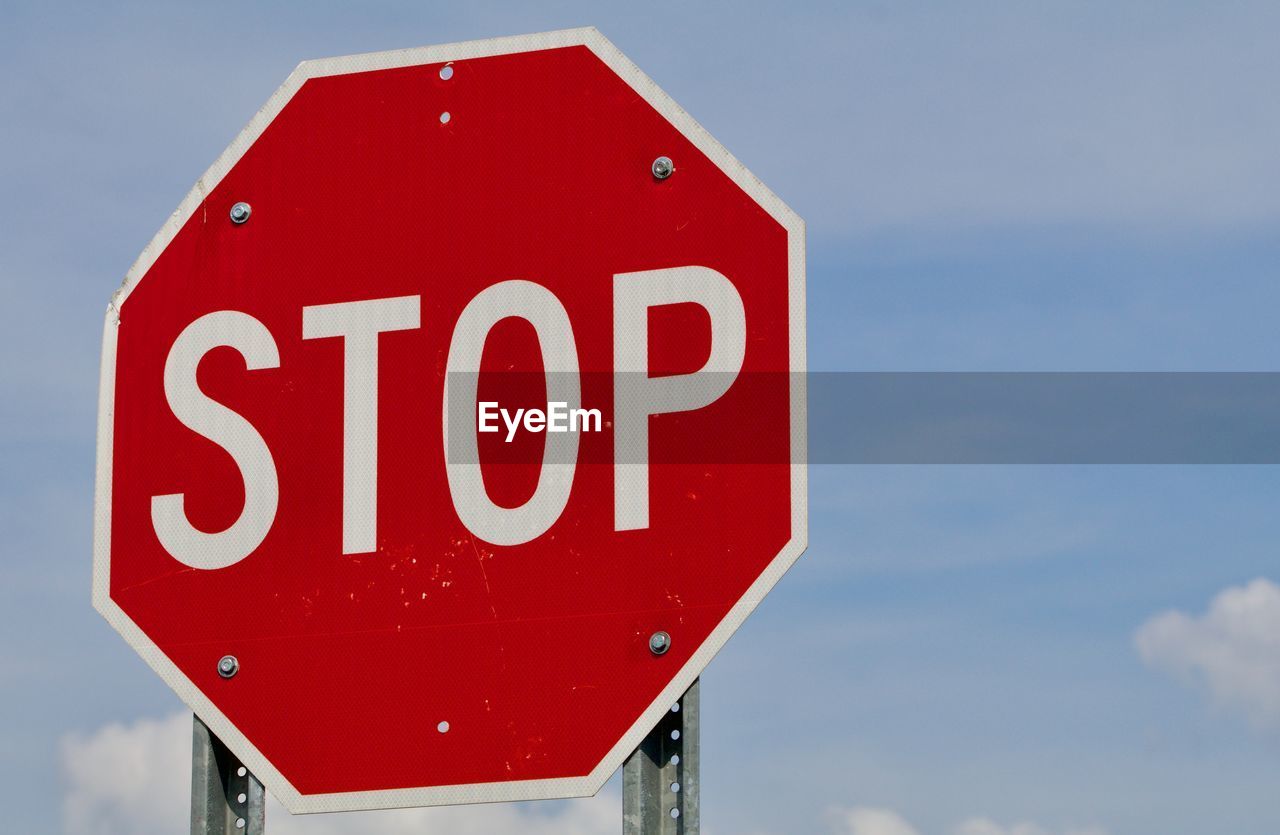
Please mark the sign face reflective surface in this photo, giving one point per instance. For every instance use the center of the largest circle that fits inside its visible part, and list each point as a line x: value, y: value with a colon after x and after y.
x: 296, y: 468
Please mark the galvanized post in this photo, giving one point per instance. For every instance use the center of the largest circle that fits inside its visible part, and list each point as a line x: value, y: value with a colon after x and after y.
x: 660, y: 780
x: 225, y: 798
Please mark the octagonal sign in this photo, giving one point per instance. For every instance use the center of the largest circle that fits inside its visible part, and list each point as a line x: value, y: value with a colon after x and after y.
x: 463, y: 373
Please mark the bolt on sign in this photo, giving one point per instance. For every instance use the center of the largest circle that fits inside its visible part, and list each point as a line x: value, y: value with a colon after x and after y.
x: 300, y: 525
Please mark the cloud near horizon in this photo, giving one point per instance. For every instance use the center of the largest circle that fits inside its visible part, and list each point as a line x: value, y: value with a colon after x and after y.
x: 1232, y: 650
x: 866, y: 820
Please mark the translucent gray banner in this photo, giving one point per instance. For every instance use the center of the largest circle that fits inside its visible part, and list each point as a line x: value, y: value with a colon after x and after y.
x: 1044, y: 418
x: 921, y: 418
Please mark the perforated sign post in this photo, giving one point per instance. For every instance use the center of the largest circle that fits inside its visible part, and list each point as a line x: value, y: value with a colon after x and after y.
x: 448, y: 429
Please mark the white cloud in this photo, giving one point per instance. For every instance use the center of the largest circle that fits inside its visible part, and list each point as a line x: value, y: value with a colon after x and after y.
x: 864, y: 820
x: 1233, y: 649
x: 128, y: 779
x: 135, y: 779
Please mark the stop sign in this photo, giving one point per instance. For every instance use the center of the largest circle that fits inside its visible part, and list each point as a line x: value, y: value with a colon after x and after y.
x: 452, y: 424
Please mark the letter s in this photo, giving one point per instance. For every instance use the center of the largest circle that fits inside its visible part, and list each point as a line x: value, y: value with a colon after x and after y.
x: 229, y: 430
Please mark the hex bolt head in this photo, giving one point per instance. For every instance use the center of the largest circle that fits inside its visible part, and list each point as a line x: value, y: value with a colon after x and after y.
x: 662, y: 168
x: 228, y: 666
x: 240, y: 212
x: 659, y: 643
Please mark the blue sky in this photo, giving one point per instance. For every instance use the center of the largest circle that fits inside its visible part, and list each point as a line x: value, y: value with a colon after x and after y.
x: 964, y: 650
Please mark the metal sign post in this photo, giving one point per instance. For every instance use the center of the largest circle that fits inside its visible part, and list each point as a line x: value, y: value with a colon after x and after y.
x: 225, y: 798
x: 660, y: 780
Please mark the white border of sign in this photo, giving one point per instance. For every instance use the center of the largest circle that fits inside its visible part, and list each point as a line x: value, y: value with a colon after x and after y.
x: 582, y: 786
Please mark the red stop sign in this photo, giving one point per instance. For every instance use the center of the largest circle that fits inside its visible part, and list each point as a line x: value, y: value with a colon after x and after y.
x: 328, y: 443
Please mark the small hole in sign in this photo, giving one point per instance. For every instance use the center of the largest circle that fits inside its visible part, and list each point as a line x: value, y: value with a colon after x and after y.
x: 241, y: 771
x: 675, y: 734
x: 675, y: 759
x: 675, y: 813
x: 443, y: 727
x: 239, y: 823
x: 241, y: 797
x: 446, y: 72
x: 445, y: 117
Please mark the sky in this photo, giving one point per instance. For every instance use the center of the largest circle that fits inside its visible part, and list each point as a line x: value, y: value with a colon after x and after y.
x: 964, y: 650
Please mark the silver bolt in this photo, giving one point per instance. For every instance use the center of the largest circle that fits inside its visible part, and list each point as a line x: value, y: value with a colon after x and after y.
x: 659, y: 643
x: 228, y: 665
x: 662, y: 167
x: 240, y: 212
